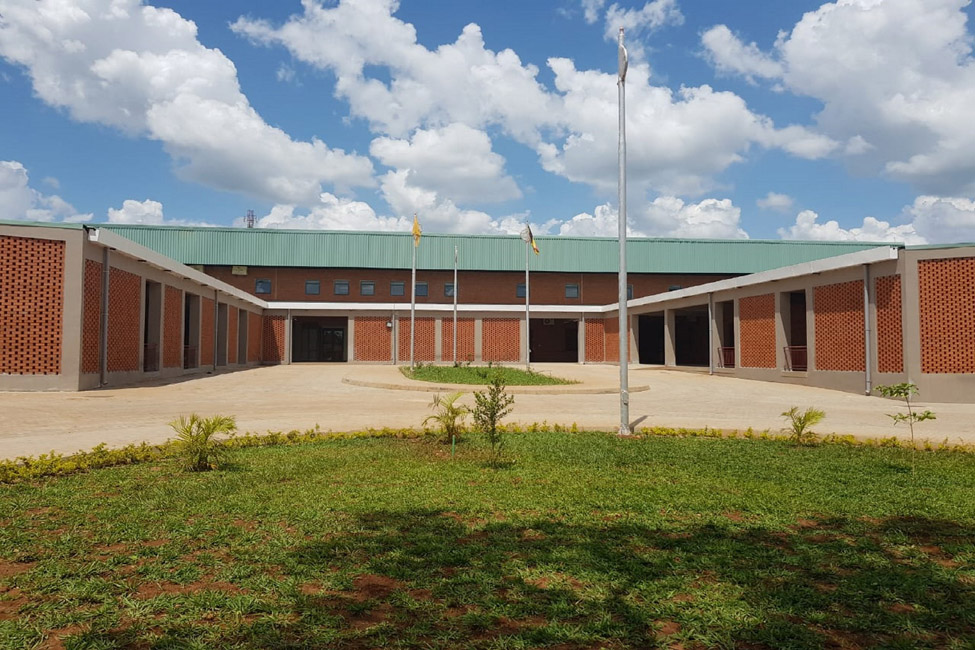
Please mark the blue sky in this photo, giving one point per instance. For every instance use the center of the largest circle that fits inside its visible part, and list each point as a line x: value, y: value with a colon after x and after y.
x: 762, y: 119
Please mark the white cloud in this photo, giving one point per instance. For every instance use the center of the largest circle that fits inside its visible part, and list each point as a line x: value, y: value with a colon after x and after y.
x: 142, y: 70
x: 332, y: 213
x: 635, y: 22
x: 591, y: 9
x: 18, y: 200
x: 455, y: 161
x: 666, y: 216
x: 807, y: 227
x: 896, y: 79
x: 146, y: 212
x: 286, y: 74
x: 776, y: 201
x: 943, y: 219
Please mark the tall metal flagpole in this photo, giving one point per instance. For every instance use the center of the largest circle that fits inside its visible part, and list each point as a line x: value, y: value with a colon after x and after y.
x: 416, y: 244
x: 455, y: 305
x: 526, y: 236
x: 624, y: 321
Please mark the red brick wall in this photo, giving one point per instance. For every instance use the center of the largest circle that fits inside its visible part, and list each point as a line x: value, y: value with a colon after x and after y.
x: 488, y: 287
x: 946, y: 291
x: 173, y: 328
x: 232, y: 334
x: 611, y: 338
x: 595, y: 340
x: 91, y: 317
x: 890, y: 335
x: 124, y: 320
x: 757, y: 331
x: 425, y: 344
x: 839, y: 326
x: 206, y: 331
x: 372, y: 339
x: 273, y: 345
x: 253, y: 337
x: 31, y: 305
x: 465, y: 340
x: 501, y: 339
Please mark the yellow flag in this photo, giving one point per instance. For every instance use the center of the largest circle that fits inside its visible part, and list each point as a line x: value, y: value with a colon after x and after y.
x: 416, y: 231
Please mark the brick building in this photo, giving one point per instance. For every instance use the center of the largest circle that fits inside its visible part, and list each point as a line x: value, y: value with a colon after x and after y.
x: 89, y: 306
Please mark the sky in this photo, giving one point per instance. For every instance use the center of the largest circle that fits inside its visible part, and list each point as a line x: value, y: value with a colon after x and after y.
x: 847, y: 120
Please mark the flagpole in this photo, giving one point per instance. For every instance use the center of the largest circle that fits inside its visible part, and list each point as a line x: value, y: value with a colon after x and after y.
x: 528, y: 322
x: 455, y: 305
x: 624, y: 329
x: 413, y: 299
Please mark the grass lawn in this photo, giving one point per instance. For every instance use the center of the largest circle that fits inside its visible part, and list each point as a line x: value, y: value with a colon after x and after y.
x: 586, y: 541
x: 480, y: 375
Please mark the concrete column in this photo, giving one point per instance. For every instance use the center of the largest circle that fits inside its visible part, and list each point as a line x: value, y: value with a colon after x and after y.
x: 780, y: 335
x: 581, y: 340
x: 736, y: 341
x: 670, y: 348
x: 478, y: 340
x: 438, y: 339
x: 350, y: 339
x: 810, y: 329
x: 523, y: 336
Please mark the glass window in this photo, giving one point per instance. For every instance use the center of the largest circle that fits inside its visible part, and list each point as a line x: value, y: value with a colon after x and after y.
x: 674, y: 287
x: 341, y: 287
x: 520, y: 290
x: 313, y: 287
x: 367, y: 288
x: 421, y: 288
x: 262, y: 286
x: 572, y: 291
x: 448, y: 289
x: 397, y: 288
x: 629, y: 292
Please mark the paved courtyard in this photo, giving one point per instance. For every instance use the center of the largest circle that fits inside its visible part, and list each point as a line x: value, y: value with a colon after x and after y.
x: 301, y: 396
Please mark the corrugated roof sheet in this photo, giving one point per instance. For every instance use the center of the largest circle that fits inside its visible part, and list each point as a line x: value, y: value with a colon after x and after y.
x: 318, y: 248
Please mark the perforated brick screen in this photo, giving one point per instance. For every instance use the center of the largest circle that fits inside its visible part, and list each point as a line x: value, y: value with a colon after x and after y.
x: 465, y: 340
x: 372, y: 339
x: 232, y: 334
x: 611, y: 337
x: 91, y: 316
x: 501, y: 339
x: 946, y: 292
x: 757, y: 331
x: 124, y: 320
x: 839, y: 327
x: 206, y: 332
x: 425, y: 344
x: 31, y: 305
x: 890, y: 334
x: 595, y: 340
x: 173, y: 328
x: 273, y: 347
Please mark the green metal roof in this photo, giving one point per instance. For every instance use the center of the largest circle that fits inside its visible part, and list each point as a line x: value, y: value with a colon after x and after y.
x: 318, y: 248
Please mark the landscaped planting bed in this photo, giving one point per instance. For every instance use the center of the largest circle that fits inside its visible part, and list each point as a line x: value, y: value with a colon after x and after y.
x: 581, y: 540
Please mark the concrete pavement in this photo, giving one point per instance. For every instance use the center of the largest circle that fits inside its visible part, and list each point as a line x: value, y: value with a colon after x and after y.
x: 303, y: 395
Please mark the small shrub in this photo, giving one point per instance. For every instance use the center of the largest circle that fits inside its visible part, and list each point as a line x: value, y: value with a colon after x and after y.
x: 490, y: 406
x: 801, y: 423
x: 449, y: 415
x: 196, y: 443
x: 906, y: 391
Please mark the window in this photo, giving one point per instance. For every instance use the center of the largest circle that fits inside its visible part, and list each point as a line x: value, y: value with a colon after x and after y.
x: 367, y: 288
x: 421, y: 288
x: 572, y: 291
x: 674, y: 287
x: 520, y: 290
x: 448, y: 289
x: 312, y: 287
x: 397, y: 288
x: 629, y: 292
x: 262, y: 286
x: 341, y: 287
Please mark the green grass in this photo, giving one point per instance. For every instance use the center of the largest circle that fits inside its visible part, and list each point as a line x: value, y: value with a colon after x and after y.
x: 480, y: 375
x: 585, y: 541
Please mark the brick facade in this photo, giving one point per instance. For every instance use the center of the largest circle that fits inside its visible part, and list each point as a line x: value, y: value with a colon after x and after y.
x: 839, y: 327
x: 254, y: 334
x: 501, y: 339
x: 125, y: 320
x: 946, y: 291
x: 206, y: 331
x: 232, y: 317
x: 595, y: 340
x: 890, y: 332
x: 465, y: 339
x: 756, y: 315
x: 425, y: 343
x: 372, y: 339
x: 273, y: 339
x: 611, y: 340
x: 91, y: 317
x: 31, y: 305
x: 173, y: 328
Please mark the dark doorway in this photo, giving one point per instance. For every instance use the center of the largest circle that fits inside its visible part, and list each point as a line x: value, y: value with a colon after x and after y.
x: 151, y: 327
x: 725, y: 317
x: 554, y: 340
x: 222, y: 334
x: 794, y: 324
x: 691, y: 336
x: 319, y: 338
x: 651, y: 337
x: 191, y: 331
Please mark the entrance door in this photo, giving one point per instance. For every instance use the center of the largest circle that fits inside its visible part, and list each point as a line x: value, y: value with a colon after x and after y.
x: 319, y: 339
x: 333, y: 344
